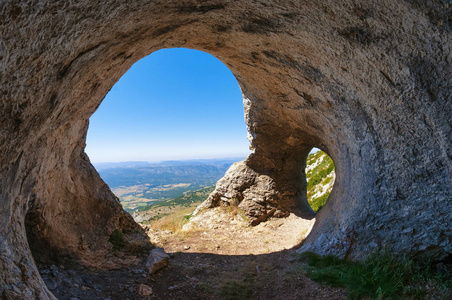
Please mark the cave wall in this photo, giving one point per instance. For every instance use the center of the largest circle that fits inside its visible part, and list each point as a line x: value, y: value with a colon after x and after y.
x: 368, y: 82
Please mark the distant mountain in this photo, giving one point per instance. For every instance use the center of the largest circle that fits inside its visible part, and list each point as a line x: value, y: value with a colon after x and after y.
x: 211, y: 162
x: 126, y: 164
x: 206, y: 171
x: 137, y: 164
x: 139, y: 183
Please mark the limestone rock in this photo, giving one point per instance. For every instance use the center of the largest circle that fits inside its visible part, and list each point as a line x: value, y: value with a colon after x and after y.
x: 367, y: 82
x: 145, y: 290
x: 157, y: 260
x: 257, y: 194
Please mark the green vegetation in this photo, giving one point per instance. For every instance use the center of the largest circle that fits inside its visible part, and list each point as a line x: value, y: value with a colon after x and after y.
x: 317, y: 203
x: 381, y: 276
x: 138, y: 184
x: 117, y: 240
x: 134, y: 197
x: 183, y: 200
x: 173, y: 221
x: 320, y: 172
x: 317, y: 178
x: 313, y: 157
x: 155, y: 218
x: 243, y: 284
x: 162, y: 213
x: 236, y: 290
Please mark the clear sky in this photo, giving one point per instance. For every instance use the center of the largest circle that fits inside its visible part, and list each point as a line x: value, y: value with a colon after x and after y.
x: 172, y: 104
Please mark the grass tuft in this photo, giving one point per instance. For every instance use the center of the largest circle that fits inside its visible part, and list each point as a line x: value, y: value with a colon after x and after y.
x: 173, y: 222
x: 381, y: 276
x: 236, y: 290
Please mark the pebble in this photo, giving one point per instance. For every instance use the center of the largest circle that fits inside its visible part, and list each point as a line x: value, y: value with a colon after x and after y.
x: 145, y: 290
x: 52, y: 283
x: 186, y: 247
x: 45, y: 272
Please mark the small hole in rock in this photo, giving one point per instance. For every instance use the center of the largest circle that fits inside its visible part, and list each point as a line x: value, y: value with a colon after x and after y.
x: 320, y: 177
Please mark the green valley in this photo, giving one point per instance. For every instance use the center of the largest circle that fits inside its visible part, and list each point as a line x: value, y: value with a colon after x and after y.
x: 152, y: 191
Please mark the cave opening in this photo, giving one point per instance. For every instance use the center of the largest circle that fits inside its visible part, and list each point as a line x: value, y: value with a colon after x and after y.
x: 166, y: 132
x: 320, y: 178
x: 169, y: 112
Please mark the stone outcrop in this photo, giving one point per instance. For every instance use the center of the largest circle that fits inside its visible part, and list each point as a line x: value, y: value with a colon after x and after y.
x: 260, y: 196
x: 368, y: 82
x: 157, y: 260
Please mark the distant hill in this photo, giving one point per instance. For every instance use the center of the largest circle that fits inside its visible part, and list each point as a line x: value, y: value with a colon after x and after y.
x: 138, y: 164
x: 141, y: 185
x: 206, y: 171
x: 320, y: 176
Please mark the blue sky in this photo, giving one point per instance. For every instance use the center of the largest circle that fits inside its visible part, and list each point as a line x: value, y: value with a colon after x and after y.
x: 172, y: 104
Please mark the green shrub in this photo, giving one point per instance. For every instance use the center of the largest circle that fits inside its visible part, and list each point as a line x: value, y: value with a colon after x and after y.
x: 317, y: 203
x: 117, y: 240
x: 327, y: 180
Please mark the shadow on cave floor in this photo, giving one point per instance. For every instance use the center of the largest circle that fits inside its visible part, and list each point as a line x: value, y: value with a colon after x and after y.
x: 196, y: 276
x: 215, y: 256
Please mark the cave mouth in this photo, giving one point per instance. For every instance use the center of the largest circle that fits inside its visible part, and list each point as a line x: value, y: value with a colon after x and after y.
x: 167, y: 131
x: 174, y: 104
x: 320, y: 178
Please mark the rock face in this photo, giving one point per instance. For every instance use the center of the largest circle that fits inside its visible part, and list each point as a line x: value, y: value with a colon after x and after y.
x: 367, y: 82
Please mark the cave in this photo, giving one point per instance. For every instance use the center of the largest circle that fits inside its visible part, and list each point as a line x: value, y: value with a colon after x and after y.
x: 368, y: 83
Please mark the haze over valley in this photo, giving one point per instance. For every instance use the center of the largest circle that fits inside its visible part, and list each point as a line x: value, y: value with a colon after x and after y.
x: 138, y: 184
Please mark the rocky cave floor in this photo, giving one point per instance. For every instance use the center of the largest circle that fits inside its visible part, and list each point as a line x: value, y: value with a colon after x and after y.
x: 215, y: 256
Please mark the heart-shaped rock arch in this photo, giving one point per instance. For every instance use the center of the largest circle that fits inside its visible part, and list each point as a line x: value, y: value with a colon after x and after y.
x: 367, y: 82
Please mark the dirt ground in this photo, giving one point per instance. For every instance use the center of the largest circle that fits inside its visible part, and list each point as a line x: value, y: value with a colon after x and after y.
x: 225, y: 232
x: 215, y: 256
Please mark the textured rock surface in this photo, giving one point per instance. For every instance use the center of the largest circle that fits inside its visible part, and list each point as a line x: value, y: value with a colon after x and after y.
x: 258, y: 194
x: 368, y: 82
x: 145, y: 290
x: 157, y: 259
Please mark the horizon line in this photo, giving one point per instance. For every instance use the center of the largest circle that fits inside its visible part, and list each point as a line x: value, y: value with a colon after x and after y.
x: 169, y: 159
